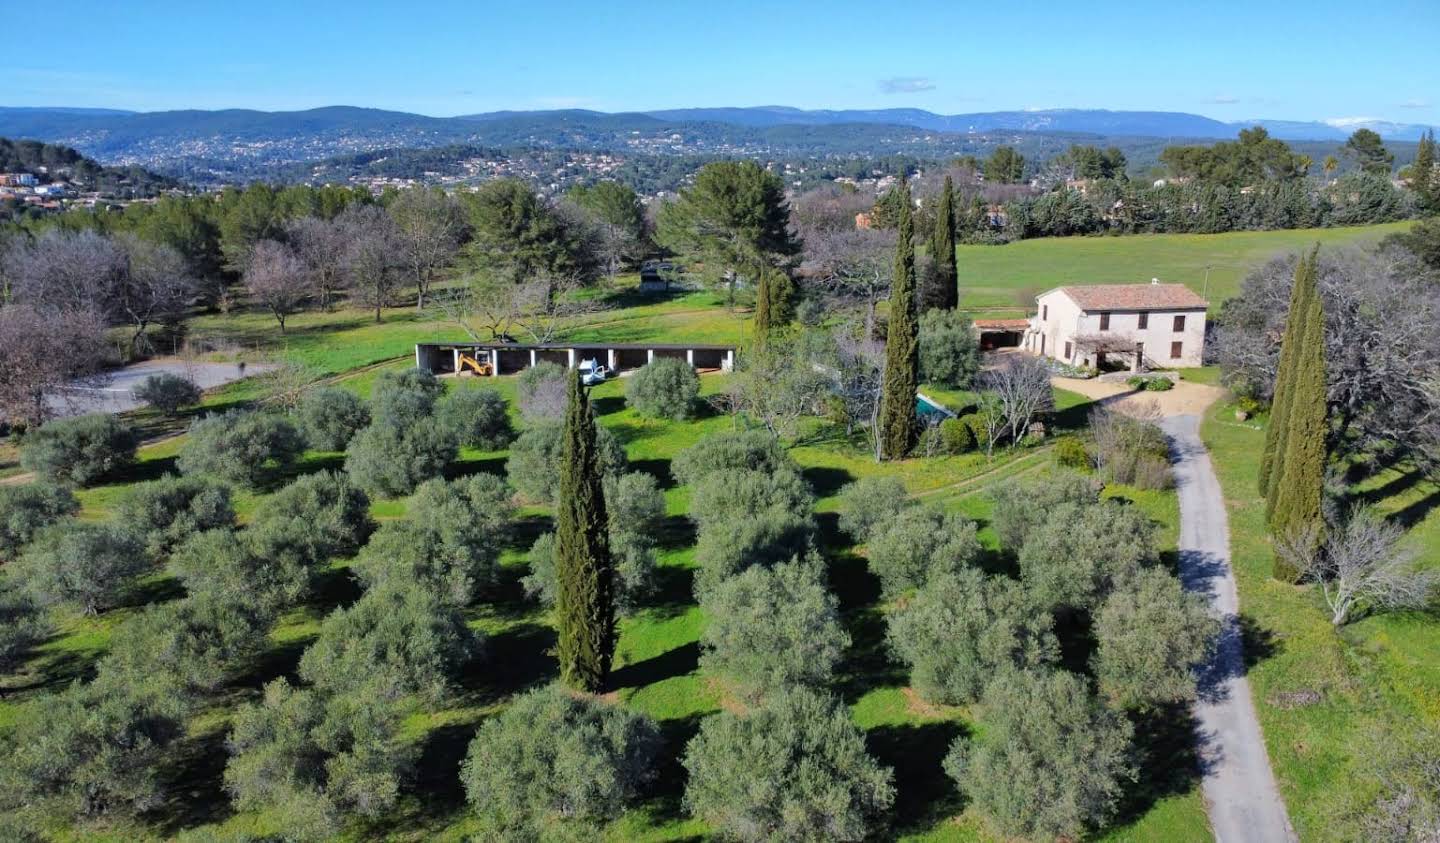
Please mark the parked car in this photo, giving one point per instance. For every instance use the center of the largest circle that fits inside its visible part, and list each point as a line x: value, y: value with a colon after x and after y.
x: 591, y: 372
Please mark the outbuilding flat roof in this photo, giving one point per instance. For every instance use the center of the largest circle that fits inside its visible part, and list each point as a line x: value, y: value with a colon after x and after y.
x: 1134, y: 297
x: 580, y: 346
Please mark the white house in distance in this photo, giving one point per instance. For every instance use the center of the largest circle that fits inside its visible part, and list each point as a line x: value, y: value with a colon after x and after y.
x: 1137, y: 326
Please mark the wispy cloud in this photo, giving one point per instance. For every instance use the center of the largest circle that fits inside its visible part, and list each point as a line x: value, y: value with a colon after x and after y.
x: 1415, y: 103
x: 1222, y: 99
x: 906, y: 85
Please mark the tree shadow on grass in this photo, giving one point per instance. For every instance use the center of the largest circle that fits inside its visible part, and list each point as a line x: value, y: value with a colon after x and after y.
x: 437, y: 784
x: 469, y: 468
x: 193, y: 781
x: 608, y: 405
x: 143, y: 471
x: 1417, y: 511
x: 674, y: 592
x: 1167, y: 757
x: 867, y: 664
x: 916, y: 752
x: 676, y: 532
x: 526, y: 529
x: 657, y: 468
x: 678, y: 661
x: 666, y: 803
x: 514, y: 660
x: 852, y: 583
x: 826, y: 481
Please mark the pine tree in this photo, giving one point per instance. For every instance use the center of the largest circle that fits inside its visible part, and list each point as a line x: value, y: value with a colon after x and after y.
x: 584, y: 570
x: 1274, y: 454
x: 1300, y: 489
x: 946, y: 293
x: 902, y: 345
x: 1424, y: 181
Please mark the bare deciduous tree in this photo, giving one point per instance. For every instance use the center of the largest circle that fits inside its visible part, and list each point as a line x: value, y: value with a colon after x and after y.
x: 372, y: 255
x: 1361, y: 566
x: 542, y: 309
x: 853, y: 267
x: 156, y: 287
x: 62, y: 270
x: 430, y: 227
x: 777, y: 386
x: 322, y: 244
x: 1021, y: 390
x: 43, y: 351
x: 277, y: 279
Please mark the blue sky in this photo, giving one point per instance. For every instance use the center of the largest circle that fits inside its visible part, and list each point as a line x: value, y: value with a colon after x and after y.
x: 1229, y: 60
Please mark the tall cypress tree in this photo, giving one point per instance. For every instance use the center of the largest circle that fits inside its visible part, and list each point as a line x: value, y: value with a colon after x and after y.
x: 1273, y: 457
x: 902, y: 344
x: 584, y: 571
x: 774, y: 296
x: 1300, y: 489
x: 946, y: 294
x: 1423, y: 179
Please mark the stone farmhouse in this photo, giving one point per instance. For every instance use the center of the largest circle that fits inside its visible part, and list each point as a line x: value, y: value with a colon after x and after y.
x: 1119, y: 326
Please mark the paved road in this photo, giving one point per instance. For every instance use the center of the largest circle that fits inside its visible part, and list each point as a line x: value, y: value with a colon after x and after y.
x: 1240, y: 793
x: 111, y: 394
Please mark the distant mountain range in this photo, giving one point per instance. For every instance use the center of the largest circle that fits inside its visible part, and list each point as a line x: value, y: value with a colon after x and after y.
x: 195, y: 142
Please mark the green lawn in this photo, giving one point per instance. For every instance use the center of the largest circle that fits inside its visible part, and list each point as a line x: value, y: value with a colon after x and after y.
x: 1378, y: 679
x: 1011, y: 275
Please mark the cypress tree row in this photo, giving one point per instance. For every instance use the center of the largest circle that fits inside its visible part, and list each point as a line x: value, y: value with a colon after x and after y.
x: 1424, y: 181
x: 902, y: 345
x: 946, y: 294
x: 584, y: 570
x: 1274, y: 454
x: 1299, y: 491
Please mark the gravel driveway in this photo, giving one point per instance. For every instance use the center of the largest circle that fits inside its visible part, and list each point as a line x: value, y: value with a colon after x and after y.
x: 1240, y: 793
x: 113, y: 394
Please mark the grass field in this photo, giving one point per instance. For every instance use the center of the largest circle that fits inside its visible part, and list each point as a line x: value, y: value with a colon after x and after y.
x: 1377, y: 679
x: 1011, y: 275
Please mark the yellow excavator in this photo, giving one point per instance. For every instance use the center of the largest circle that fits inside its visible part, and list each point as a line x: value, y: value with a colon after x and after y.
x: 481, y: 369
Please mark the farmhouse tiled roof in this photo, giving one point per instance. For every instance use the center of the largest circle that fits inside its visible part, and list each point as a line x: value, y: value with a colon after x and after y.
x: 1002, y: 324
x: 1135, y: 297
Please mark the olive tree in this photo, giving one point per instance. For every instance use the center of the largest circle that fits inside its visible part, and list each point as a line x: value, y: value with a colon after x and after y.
x: 87, y: 566
x: 871, y: 502
x: 390, y: 461
x: 795, y: 768
x: 556, y: 762
x: 314, y: 757
x: 79, y: 450
x: 540, y: 391
x: 256, y: 566
x: 197, y: 643
x: 918, y: 544
x: 961, y: 629
x: 239, y: 446
x: 404, y: 397
x: 22, y: 626
x: 322, y: 515
x: 478, y: 418
x: 748, y: 518
x: 534, y: 463
x: 1080, y: 553
x: 395, y: 641
x: 755, y: 450
x: 636, y: 509
x: 167, y: 393
x: 1152, y: 635
x: 664, y: 388
x: 451, y: 543
x: 1051, y: 761
x: 769, y: 629
x: 330, y: 417
x: 27, y: 509
x: 1023, y: 504
x: 162, y: 513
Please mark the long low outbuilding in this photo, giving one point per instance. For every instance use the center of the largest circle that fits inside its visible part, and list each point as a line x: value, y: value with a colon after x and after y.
x: 494, y: 359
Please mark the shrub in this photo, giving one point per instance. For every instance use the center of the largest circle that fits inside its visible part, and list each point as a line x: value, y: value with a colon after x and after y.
x: 756, y: 450
x: 1021, y: 505
x: 389, y: 461
x: 962, y: 629
x: 27, y: 509
x: 534, y: 464
x: 253, y: 567
x: 79, y: 451
x: 974, y: 423
x: 769, y: 629
x: 477, y: 418
x: 92, y: 749
x: 162, y: 513
x: 871, y: 502
x: 22, y: 626
x: 636, y: 510
x: 315, y: 757
x: 949, y: 349
x: 1051, y: 760
x: 239, y: 446
x: 918, y: 544
x: 763, y: 539
x: 1159, y: 385
x: 1152, y: 635
x: 956, y: 437
x: 395, y: 641
x: 321, y: 515
x: 664, y: 388
x: 735, y: 493
x: 330, y: 417
x: 167, y: 393
x: 540, y: 391
x: 87, y: 566
x: 405, y: 397
x: 795, y: 768
x: 1130, y: 450
x: 451, y: 544
x: 554, y: 762
x: 197, y: 643
x: 1080, y: 552
x: 1070, y: 453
